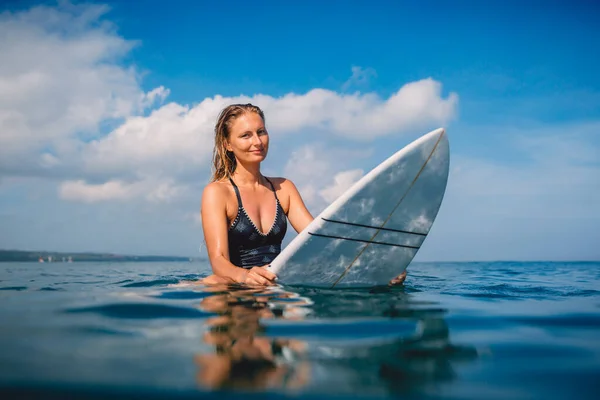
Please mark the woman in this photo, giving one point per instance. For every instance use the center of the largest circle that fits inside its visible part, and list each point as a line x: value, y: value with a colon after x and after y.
x: 245, y: 214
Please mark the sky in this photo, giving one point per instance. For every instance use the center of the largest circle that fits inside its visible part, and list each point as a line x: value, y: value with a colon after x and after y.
x: 107, y: 111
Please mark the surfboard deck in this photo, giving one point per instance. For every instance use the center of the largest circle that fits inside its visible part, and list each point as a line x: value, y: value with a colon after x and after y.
x: 372, y: 232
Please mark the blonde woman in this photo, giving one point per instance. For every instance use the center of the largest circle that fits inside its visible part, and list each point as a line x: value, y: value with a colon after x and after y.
x: 244, y: 213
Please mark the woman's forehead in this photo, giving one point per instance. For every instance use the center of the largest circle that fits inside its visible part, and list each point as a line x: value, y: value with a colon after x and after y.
x: 247, y: 121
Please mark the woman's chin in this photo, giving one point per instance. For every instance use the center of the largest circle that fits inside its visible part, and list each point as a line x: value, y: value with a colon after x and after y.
x: 256, y: 158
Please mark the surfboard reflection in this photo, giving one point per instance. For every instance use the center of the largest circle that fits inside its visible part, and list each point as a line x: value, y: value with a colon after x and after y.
x: 326, y: 342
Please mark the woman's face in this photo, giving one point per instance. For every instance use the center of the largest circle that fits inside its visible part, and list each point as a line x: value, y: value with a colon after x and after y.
x: 248, y: 138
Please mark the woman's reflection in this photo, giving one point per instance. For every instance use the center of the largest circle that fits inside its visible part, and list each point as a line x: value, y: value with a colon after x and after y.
x: 245, y: 358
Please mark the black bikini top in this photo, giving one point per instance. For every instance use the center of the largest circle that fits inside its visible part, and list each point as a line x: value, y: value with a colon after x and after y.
x: 248, y: 246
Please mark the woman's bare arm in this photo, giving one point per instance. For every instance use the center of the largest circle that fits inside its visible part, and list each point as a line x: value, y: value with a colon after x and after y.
x: 298, y: 214
x: 214, y: 225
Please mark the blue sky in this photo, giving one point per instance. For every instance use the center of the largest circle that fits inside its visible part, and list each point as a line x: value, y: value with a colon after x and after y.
x: 106, y: 111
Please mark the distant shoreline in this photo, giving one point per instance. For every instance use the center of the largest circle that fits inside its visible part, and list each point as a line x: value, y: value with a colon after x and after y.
x: 58, y: 256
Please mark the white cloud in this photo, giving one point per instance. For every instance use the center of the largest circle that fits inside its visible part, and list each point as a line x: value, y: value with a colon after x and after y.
x: 82, y: 191
x: 321, y: 174
x: 175, y: 139
x: 60, y: 78
x: 171, y: 138
x: 308, y: 167
x: 160, y: 93
x: 360, y: 77
x: 341, y: 182
x: 157, y: 192
x: 362, y: 116
x: 165, y: 191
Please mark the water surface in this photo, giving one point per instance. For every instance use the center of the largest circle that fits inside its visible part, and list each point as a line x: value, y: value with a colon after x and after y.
x: 454, y: 330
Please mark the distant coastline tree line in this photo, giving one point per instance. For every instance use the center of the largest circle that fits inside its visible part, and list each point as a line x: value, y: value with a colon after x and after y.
x: 52, y: 256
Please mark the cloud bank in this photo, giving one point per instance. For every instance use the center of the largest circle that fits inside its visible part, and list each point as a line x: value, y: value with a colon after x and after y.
x: 60, y: 79
x: 82, y: 118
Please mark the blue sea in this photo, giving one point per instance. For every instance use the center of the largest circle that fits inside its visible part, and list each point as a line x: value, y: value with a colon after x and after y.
x: 480, y: 330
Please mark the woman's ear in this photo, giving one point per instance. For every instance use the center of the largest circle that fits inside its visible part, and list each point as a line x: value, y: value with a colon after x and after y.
x: 228, y: 146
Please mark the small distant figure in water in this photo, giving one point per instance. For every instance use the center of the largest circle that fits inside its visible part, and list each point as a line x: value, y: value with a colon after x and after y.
x: 244, y: 213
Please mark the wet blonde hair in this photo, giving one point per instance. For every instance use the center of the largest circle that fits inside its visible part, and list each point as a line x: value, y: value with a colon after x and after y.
x: 224, y: 162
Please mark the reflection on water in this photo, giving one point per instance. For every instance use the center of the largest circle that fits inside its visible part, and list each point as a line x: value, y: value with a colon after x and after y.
x: 271, y: 338
x: 244, y: 358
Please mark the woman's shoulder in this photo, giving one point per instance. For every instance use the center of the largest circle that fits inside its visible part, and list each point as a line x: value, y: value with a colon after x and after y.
x: 216, y: 189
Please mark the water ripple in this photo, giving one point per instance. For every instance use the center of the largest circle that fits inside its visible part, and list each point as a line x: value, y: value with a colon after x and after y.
x: 562, y: 321
x: 141, y: 311
x: 157, y: 282
x: 183, y: 295
x: 94, y: 330
x: 352, y: 329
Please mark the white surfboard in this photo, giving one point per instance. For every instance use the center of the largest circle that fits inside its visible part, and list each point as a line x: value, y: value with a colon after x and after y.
x: 372, y: 232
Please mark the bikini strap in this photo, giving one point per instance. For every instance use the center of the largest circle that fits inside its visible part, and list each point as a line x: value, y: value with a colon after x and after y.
x: 237, y: 193
x: 272, y: 187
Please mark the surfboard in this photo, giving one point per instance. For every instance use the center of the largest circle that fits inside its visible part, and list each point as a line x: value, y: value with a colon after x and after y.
x: 372, y: 232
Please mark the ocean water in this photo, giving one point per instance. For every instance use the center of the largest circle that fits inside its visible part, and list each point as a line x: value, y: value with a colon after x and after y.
x: 453, y: 330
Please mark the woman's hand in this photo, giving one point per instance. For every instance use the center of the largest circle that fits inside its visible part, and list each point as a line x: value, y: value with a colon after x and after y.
x: 257, y: 276
x: 399, y: 280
